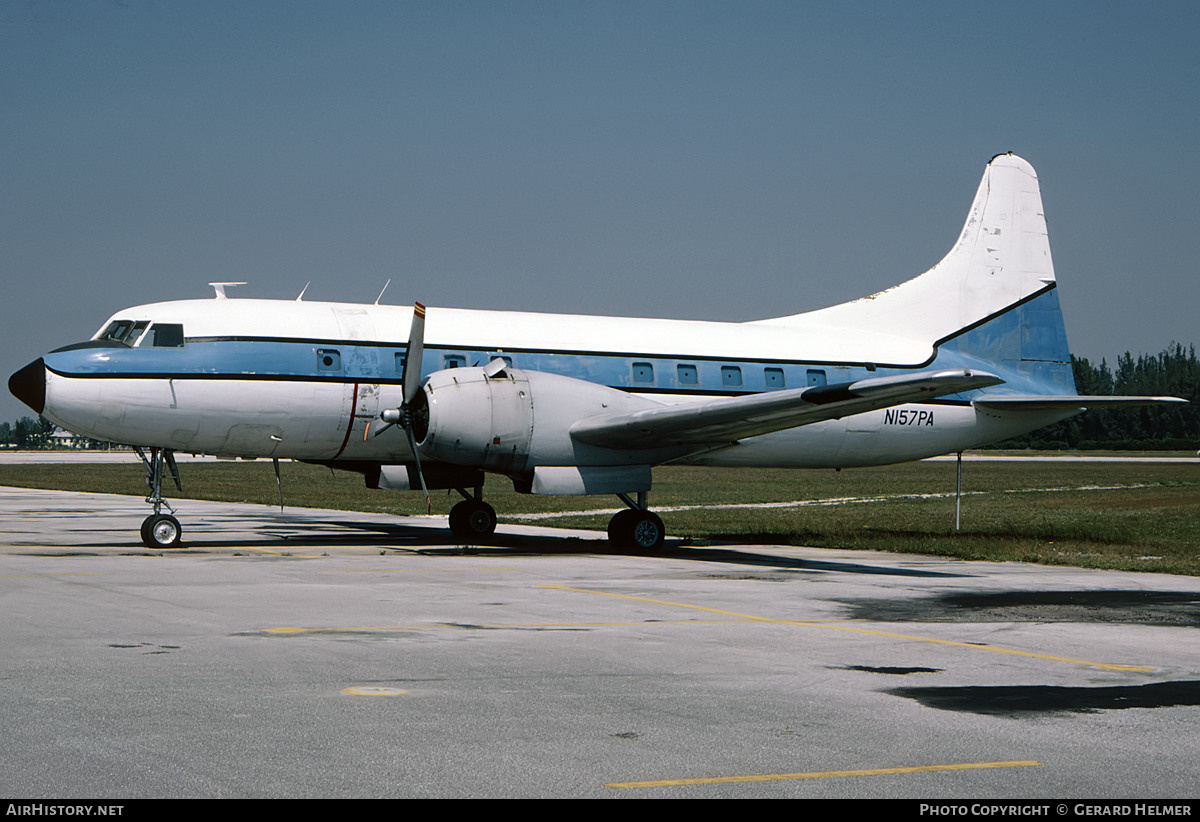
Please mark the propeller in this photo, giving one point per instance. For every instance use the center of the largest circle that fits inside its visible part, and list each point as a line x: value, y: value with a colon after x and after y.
x: 411, y: 386
x: 412, y: 359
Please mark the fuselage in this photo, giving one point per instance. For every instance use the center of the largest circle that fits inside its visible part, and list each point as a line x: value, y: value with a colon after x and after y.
x: 305, y: 380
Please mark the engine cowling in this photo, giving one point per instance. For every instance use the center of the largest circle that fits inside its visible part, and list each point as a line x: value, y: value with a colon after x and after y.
x: 511, y: 421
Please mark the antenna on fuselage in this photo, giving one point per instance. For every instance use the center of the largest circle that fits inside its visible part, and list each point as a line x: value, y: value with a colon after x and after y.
x: 300, y: 298
x: 385, y: 285
x: 220, y: 289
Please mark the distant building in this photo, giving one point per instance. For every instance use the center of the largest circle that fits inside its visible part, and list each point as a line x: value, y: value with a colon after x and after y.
x: 65, y: 439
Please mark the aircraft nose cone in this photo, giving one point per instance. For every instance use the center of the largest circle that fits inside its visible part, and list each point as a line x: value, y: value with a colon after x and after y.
x: 29, y: 385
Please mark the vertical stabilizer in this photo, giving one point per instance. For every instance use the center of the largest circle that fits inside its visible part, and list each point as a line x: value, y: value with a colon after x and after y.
x: 1001, y: 258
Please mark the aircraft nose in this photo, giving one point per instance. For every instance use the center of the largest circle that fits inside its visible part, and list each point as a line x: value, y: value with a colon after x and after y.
x: 29, y: 385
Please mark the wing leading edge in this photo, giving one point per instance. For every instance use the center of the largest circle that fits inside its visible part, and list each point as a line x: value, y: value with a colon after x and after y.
x: 727, y: 419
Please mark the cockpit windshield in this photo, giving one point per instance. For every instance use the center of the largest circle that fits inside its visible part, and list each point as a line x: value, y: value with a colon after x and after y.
x: 129, y: 332
x: 124, y: 331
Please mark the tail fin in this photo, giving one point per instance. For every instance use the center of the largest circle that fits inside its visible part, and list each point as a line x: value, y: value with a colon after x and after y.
x: 1001, y: 259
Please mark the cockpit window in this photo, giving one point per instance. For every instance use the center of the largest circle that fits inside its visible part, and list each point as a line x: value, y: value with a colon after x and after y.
x: 166, y: 335
x: 124, y: 331
x: 129, y: 332
x: 135, y: 333
x: 116, y: 330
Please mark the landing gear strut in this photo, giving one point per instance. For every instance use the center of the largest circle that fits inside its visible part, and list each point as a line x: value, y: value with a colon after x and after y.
x: 473, y: 520
x: 160, y: 530
x: 636, y: 526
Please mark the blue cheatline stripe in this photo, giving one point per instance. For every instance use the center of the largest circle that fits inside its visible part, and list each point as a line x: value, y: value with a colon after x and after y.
x: 1026, y: 346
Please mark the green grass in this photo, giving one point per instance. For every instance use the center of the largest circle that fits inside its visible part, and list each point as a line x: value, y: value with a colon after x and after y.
x: 1131, y: 516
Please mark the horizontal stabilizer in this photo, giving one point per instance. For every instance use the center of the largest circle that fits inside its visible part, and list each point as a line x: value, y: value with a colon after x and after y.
x: 731, y: 418
x: 1036, y: 403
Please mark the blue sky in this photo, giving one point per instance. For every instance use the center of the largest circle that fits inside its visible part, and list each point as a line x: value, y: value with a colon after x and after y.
x: 704, y: 160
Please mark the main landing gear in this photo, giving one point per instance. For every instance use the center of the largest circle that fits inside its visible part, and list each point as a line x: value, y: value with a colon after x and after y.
x: 636, y: 527
x: 160, y: 530
x: 472, y: 520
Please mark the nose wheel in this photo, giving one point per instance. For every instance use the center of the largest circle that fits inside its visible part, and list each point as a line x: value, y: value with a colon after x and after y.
x: 160, y: 530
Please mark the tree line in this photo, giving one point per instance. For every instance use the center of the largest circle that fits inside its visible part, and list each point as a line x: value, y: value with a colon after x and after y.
x: 1173, y: 373
x: 32, y: 433
x: 27, y: 432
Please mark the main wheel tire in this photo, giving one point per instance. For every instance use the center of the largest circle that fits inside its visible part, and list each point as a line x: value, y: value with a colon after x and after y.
x: 161, y: 531
x: 620, y: 528
x: 641, y: 530
x: 648, y: 531
x: 473, y: 521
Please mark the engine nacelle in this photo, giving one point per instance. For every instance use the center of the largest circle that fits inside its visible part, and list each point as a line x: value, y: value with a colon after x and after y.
x: 510, y: 421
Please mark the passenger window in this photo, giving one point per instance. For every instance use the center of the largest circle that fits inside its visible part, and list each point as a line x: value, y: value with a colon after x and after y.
x: 774, y: 377
x: 454, y: 361
x: 643, y: 372
x: 166, y: 335
x: 816, y: 376
x: 687, y: 374
x: 329, y: 359
x: 399, y: 363
x: 731, y: 376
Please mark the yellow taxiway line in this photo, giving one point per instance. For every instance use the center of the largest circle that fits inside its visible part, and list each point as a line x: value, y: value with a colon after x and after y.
x: 772, y: 777
x: 815, y: 624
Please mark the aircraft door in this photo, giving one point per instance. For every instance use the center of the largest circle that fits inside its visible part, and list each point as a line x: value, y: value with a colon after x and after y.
x: 356, y: 359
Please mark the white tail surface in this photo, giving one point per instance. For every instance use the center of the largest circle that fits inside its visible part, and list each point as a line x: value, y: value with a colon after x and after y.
x: 1001, y: 258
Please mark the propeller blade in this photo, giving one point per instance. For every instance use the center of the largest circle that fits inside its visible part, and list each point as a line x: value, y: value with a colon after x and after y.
x: 412, y: 357
x: 412, y: 443
x: 411, y: 385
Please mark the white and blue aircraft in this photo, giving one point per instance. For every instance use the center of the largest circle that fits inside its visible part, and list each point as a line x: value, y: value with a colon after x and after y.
x: 972, y: 351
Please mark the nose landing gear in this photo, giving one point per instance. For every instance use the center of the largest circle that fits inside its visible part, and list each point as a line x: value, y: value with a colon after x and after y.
x: 160, y: 530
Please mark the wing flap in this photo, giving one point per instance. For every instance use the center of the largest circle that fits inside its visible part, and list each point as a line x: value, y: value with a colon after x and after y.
x: 731, y: 418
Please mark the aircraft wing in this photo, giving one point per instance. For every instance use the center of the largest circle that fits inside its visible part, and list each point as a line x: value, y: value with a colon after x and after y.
x: 1036, y: 403
x: 731, y: 418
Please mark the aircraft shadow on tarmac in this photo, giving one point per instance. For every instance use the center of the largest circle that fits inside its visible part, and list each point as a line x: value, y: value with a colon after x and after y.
x: 1103, y: 606
x: 434, y: 539
x: 1028, y: 700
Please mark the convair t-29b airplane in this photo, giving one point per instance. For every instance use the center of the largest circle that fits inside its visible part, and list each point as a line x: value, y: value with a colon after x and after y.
x: 969, y: 352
